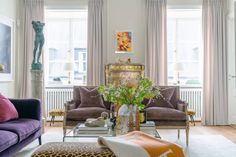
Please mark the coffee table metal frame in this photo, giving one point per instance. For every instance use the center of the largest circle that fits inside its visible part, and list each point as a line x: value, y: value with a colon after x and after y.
x: 71, y: 134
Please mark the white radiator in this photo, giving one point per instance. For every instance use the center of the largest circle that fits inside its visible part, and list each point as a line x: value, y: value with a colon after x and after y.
x: 193, y: 96
x: 55, y: 97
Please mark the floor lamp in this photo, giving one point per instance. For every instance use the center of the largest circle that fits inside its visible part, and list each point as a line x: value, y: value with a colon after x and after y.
x: 178, y: 68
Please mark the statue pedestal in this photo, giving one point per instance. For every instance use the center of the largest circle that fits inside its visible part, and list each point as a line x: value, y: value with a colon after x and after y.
x: 37, y: 90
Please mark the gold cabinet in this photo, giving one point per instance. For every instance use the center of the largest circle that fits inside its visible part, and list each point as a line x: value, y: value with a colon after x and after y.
x: 115, y: 73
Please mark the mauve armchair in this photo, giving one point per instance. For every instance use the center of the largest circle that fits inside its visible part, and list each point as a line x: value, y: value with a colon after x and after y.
x: 75, y: 114
x: 169, y: 112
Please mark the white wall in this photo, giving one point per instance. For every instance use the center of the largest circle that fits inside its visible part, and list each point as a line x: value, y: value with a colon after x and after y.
x: 231, y: 63
x: 8, y: 9
x: 125, y: 15
x: 130, y: 15
x: 64, y: 4
x: 184, y: 4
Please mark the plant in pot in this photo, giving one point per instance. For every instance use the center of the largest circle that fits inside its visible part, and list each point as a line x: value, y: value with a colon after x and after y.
x: 129, y: 95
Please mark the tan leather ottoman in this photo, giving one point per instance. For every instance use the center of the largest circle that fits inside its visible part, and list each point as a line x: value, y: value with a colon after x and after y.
x: 72, y: 149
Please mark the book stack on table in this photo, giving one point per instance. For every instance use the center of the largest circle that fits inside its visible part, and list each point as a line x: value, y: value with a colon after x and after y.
x: 92, y: 131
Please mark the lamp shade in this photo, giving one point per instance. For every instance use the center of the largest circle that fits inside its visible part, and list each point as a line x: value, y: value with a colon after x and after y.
x: 178, y: 66
x: 69, y: 66
x: 1, y: 67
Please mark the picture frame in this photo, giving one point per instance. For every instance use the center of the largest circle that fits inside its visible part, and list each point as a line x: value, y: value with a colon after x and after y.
x: 124, y: 42
x: 6, y: 48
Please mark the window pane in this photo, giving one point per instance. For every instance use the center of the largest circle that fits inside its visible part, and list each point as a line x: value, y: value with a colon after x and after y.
x: 188, y: 51
x: 81, y: 65
x: 184, y: 47
x: 66, y: 41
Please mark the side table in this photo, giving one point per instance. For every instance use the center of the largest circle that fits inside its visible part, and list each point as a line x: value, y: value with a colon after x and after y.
x: 54, y: 113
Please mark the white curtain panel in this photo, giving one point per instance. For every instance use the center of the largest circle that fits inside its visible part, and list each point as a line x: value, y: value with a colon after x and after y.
x: 30, y: 10
x: 215, y: 107
x: 156, y: 41
x: 95, y: 69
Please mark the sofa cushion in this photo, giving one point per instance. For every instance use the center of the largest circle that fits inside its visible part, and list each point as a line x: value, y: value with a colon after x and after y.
x: 7, y: 109
x: 162, y: 113
x: 76, y: 93
x: 22, y: 127
x: 7, y: 139
x: 171, y: 94
x: 81, y: 114
x: 90, y: 98
x: 160, y: 102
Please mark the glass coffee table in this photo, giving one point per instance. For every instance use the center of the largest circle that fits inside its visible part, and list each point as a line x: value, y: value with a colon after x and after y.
x: 148, y: 127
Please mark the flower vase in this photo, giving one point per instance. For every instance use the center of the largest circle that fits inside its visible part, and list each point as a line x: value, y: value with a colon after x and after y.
x: 131, y: 118
x: 123, y: 114
x: 128, y: 118
x: 137, y: 119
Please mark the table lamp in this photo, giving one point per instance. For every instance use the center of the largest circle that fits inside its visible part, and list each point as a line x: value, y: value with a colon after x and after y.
x: 178, y: 67
x: 69, y: 67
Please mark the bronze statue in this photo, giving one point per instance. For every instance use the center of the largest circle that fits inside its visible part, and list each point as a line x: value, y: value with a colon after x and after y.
x: 38, y: 44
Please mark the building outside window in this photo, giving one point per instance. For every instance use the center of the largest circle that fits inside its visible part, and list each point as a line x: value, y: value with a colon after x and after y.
x: 185, y: 59
x: 66, y: 41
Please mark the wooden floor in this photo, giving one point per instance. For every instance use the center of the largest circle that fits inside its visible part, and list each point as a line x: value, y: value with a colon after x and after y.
x: 227, y: 131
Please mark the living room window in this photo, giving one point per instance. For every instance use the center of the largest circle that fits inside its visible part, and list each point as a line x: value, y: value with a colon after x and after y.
x: 66, y: 47
x: 184, y: 36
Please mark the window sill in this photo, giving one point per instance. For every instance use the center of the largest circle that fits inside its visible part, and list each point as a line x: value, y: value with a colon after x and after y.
x: 62, y: 85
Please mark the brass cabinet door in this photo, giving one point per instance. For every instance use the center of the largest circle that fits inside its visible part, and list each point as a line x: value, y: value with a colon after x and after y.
x: 116, y: 73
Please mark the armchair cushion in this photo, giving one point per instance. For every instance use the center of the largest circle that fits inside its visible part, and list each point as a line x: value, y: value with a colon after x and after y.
x: 171, y: 94
x: 164, y: 99
x: 162, y: 113
x: 81, y: 114
x: 160, y: 102
x: 90, y: 98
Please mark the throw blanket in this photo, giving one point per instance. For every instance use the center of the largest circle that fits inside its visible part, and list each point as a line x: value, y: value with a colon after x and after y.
x: 139, y: 144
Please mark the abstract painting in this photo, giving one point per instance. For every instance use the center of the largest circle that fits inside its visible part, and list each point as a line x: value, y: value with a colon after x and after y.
x: 6, y: 48
x: 124, y: 42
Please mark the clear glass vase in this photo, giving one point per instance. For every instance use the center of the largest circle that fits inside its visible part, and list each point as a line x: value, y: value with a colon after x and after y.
x: 127, y: 115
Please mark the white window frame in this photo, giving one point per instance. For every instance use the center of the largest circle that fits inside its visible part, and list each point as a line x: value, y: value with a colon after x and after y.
x: 69, y: 19
x: 182, y: 14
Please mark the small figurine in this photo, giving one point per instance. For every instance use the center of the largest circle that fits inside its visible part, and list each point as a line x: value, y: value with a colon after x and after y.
x: 104, y: 115
x: 99, y: 122
x: 128, y: 60
x: 119, y: 61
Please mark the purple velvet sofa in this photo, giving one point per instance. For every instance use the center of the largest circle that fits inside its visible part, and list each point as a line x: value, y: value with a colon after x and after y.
x: 16, y: 134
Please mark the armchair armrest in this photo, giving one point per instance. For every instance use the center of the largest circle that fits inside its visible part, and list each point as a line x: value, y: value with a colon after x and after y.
x: 182, y: 106
x: 70, y: 105
x: 28, y: 108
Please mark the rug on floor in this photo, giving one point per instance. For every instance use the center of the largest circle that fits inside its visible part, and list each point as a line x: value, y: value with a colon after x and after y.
x: 199, y: 145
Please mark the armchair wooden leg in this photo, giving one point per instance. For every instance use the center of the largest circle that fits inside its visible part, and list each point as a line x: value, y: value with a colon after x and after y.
x: 187, y: 135
x: 178, y: 133
x: 64, y: 131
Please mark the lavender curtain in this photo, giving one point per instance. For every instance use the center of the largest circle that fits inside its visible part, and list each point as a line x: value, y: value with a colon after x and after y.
x: 215, y: 106
x: 156, y: 41
x: 95, y: 69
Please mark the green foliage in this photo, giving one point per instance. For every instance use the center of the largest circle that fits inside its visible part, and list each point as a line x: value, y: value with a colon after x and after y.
x: 130, y: 93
